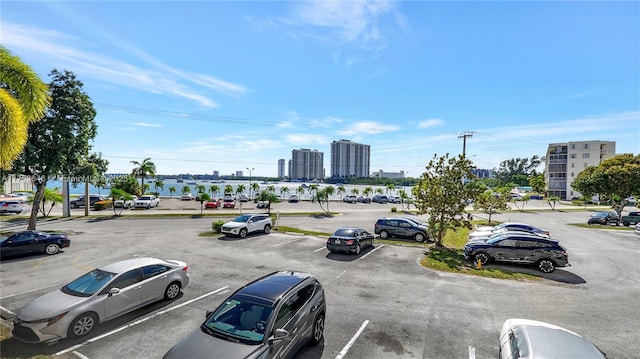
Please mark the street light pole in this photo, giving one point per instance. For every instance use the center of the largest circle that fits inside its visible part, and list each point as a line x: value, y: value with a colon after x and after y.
x: 250, y: 197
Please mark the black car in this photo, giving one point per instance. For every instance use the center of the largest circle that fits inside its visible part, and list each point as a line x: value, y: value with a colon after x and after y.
x: 380, y: 199
x: 349, y: 239
x: 363, y: 199
x: 400, y: 227
x: 519, y: 248
x: 272, y: 317
x: 29, y: 242
x: 604, y: 217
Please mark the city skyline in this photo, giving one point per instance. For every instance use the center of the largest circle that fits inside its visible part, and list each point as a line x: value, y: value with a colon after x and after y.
x: 236, y: 85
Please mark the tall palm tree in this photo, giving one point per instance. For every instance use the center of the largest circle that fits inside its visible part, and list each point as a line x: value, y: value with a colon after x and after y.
x: 255, y: 187
x: 341, y: 190
x: 143, y: 169
x: 186, y: 189
x: 390, y: 187
x: 240, y: 189
x: 23, y: 100
x: 355, y: 191
x: 228, y: 189
x: 367, y: 191
x: 214, y: 189
x: 300, y: 191
x: 284, y: 190
x: 271, y: 188
x: 172, y: 190
x: 158, y: 184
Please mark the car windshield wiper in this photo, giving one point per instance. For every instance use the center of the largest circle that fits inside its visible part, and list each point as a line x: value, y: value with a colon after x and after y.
x: 217, y: 333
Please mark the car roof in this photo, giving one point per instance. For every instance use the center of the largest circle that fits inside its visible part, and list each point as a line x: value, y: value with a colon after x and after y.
x: 273, y: 286
x: 132, y: 263
x: 521, y: 234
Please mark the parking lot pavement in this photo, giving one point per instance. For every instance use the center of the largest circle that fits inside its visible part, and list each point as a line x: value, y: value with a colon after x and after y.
x: 410, y: 311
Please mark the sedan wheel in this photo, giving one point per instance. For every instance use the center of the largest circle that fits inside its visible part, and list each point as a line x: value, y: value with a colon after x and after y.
x: 419, y: 237
x: 384, y: 235
x: 546, y: 266
x: 172, y: 291
x: 318, y: 330
x: 358, y: 249
x: 52, y: 248
x: 82, y: 325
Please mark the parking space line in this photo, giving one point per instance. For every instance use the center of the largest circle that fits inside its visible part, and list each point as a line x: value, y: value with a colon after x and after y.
x: 472, y: 352
x: 371, y: 251
x: 28, y: 291
x: 287, y: 242
x: 144, y: 319
x: 346, y: 348
x: 319, y: 249
x: 339, y: 275
x: 79, y: 355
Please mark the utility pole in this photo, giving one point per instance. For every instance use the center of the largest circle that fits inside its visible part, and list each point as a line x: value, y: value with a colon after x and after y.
x: 464, y: 136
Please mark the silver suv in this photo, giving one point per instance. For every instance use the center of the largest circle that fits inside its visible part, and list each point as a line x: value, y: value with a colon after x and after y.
x: 400, y: 227
x: 248, y: 223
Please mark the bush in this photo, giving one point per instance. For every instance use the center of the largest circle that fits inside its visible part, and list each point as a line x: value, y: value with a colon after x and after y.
x: 217, y: 226
x: 394, y: 209
x: 100, y: 205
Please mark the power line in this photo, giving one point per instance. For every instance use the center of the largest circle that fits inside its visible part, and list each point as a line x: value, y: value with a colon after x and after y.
x: 464, y: 136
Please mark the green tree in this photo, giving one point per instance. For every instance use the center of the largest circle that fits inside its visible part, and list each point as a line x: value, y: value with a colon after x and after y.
x: 228, y: 189
x: 90, y: 170
x: 158, y: 183
x: 491, y: 201
x: 146, y: 188
x: 128, y: 184
x: 59, y: 143
x: 379, y: 191
x: 269, y: 197
x: 284, y: 190
x: 390, y: 188
x: 50, y: 195
x: 538, y: 184
x: 614, y: 180
x: 172, y: 190
x: 300, y: 191
x: 203, y: 197
x: 440, y: 192
x: 355, y: 191
x: 517, y: 170
x: 214, y: 189
x: 367, y: 191
x: 186, y: 189
x: 23, y: 100
x: 240, y: 189
x: 255, y: 187
x: 321, y: 195
x: 143, y: 169
x: 271, y: 188
x: 118, y: 194
x: 341, y: 191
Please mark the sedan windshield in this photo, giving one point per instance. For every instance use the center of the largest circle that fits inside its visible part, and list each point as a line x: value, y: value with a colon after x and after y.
x: 89, y: 283
x: 238, y: 319
x: 344, y: 232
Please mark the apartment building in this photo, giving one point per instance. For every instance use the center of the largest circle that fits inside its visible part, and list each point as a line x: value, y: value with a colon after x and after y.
x: 350, y: 159
x: 306, y: 165
x: 566, y: 160
x: 281, y: 168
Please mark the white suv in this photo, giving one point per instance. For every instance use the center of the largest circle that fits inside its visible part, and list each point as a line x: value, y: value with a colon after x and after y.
x: 248, y: 223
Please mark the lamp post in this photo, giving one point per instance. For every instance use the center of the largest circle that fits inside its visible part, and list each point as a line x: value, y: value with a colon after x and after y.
x: 250, y: 196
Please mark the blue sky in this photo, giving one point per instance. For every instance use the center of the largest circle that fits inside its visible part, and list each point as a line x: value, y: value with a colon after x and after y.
x: 228, y: 85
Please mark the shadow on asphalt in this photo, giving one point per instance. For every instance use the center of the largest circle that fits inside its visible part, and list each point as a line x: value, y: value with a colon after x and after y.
x: 347, y: 257
x: 559, y: 275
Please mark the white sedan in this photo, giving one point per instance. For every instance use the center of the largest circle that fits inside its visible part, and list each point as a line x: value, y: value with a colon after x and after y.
x: 147, y: 201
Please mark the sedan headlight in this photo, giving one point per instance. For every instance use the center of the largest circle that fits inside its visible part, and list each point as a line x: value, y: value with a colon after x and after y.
x: 51, y: 321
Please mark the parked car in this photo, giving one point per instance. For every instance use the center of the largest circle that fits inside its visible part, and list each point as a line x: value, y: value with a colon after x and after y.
x: 30, y: 242
x: 248, y: 223
x: 394, y: 199
x: 631, y: 218
x: 14, y: 207
x: 228, y: 202
x: 637, y: 230
x: 529, y: 339
x: 147, y: 201
x: 187, y: 197
x: 486, y: 231
x: 243, y: 198
x: 272, y: 317
x: 80, y: 201
x: 604, y: 217
x: 102, y: 294
x: 416, y: 221
x: 349, y: 199
x: 400, y: 227
x: 630, y: 200
x: 262, y: 204
x: 380, y: 199
x: 293, y: 199
x: 121, y: 203
x: 519, y: 248
x: 213, y: 203
x: 363, y: 199
x: 349, y: 239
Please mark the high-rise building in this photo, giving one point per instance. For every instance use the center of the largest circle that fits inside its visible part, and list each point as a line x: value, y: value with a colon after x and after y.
x: 566, y: 160
x: 239, y: 174
x: 306, y: 165
x: 350, y: 159
x: 281, y: 168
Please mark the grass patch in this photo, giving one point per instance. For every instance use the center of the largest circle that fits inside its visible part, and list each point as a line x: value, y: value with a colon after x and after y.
x: 284, y: 229
x: 600, y: 226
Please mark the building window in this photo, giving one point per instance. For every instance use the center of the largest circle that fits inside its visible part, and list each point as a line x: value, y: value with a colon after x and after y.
x: 585, y: 155
x: 573, y: 146
x: 585, y: 146
x: 572, y: 175
x: 573, y: 155
x: 573, y: 165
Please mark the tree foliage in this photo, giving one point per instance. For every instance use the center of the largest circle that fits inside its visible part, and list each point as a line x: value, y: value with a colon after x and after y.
x: 491, y: 201
x: 23, y: 100
x: 517, y: 170
x: 143, y: 169
x: 441, y: 192
x: 59, y: 143
x: 614, y: 180
x: 537, y: 183
x: 322, y: 195
x: 269, y: 197
x: 128, y: 184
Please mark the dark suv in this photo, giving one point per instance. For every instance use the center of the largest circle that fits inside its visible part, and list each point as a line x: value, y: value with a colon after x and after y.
x: 79, y: 202
x: 520, y: 248
x: 380, y: 199
x: 604, y: 217
x: 400, y: 227
x: 271, y: 317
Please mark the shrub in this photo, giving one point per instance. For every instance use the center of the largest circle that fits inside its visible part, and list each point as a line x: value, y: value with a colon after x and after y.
x: 100, y: 205
x: 217, y: 226
x: 394, y: 209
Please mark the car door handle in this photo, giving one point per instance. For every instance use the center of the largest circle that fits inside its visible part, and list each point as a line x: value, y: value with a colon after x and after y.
x: 138, y: 287
x: 315, y: 307
x: 164, y: 276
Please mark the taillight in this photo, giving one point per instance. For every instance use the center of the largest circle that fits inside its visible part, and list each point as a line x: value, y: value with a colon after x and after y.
x: 185, y: 268
x: 349, y: 242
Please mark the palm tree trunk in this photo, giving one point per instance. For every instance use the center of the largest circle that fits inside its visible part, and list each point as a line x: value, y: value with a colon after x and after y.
x: 40, y: 187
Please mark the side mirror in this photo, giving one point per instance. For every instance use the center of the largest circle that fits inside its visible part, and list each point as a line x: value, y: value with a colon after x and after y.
x: 278, y: 335
x: 113, y: 291
x: 208, y: 314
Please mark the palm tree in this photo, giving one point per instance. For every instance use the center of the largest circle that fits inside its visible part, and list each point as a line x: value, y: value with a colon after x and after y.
x: 158, y: 184
x: 146, y: 188
x: 255, y: 187
x: 51, y: 195
x: 284, y: 190
x: 172, y: 190
x: 355, y: 191
x: 379, y: 191
x: 143, y: 169
x: 271, y: 188
x: 240, y: 189
x: 24, y: 98
x: 186, y: 189
x: 367, y: 191
x: 201, y: 188
x: 390, y: 187
x: 300, y: 191
x: 214, y: 189
x: 228, y: 189
x: 341, y: 190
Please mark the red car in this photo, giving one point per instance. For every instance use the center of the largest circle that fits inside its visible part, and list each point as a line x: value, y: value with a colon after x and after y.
x: 229, y: 203
x: 213, y: 203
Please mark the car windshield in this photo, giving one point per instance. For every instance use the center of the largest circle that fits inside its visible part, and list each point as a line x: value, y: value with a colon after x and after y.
x: 600, y: 214
x: 243, y: 218
x: 495, y: 239
x: 238, y: 319
x: 145, y: 198
x: 3, y: 238
x: 344, y: 232
x: 88, y: 284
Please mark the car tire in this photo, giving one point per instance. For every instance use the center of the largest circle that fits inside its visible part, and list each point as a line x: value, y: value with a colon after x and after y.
x: 419, y: 237
x: 172, y: 291
x: 483, y: 257
x: 318, y: 330
x: 52, y: 249
x: 384, y: 234
x: 546, y: 265
x: 82, y: 325
x: 358, y: 249
x: 243, y: 233
x: 267, y: 229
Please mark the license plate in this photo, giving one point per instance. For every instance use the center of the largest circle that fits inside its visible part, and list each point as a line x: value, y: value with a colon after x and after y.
x: 337, y: 241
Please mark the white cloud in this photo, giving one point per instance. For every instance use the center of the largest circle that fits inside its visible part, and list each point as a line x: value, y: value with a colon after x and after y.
x: 368, y: 127
x: 432, y: 122
x: 145, y: 124
x: 304, y: 139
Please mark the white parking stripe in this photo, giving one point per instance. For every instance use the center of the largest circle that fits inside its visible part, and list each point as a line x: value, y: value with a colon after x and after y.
x: 339, y: 275
x: 288, y: 242
x: 472, y: 352
x: 375, y: 249
x: 32, y: 290
x: 319, y: 249
x: 79, y: 355
x: 144, y: 319
x: 346, y: 348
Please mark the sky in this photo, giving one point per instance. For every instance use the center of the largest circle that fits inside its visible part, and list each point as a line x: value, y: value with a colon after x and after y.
x: 203, y: 86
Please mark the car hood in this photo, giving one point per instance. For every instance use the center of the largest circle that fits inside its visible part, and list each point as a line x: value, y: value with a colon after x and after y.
x: 201, y: 345
x: 480, y: 234
x: 49, y: 305
x: 234, y: 224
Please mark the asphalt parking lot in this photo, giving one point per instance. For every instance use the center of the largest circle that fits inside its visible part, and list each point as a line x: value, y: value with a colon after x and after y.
x: 380, y: 304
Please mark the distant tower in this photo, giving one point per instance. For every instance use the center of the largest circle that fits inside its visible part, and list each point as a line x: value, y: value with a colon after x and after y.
x: 281, y: 168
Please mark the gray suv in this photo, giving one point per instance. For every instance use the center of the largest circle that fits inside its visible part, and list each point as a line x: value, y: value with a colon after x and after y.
x: 400, y: 227
x: 274, y: 316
